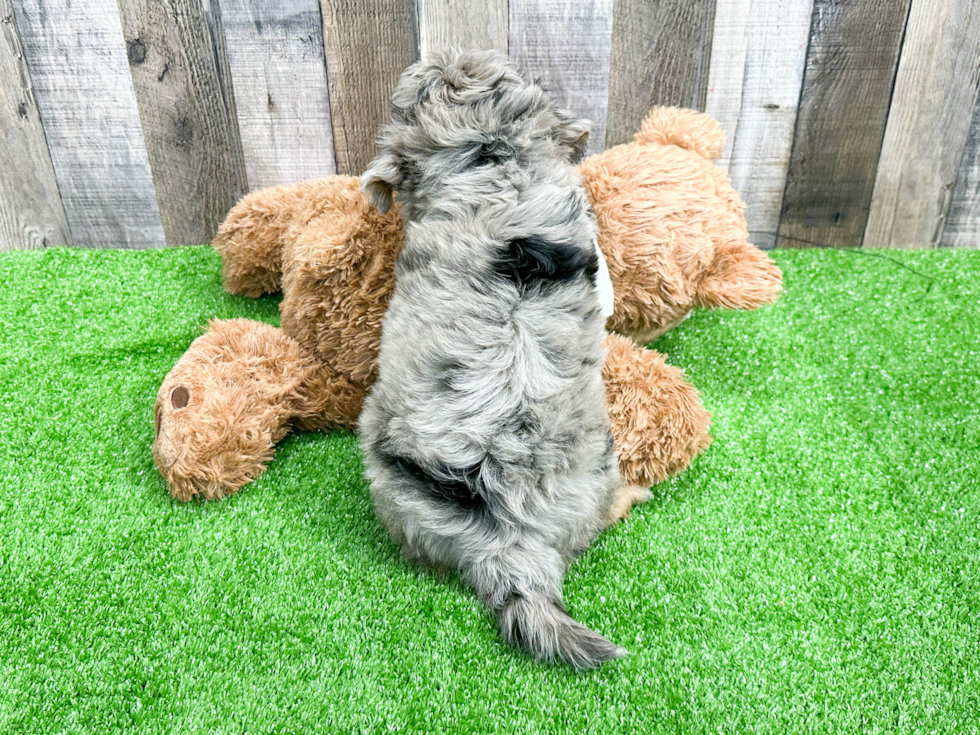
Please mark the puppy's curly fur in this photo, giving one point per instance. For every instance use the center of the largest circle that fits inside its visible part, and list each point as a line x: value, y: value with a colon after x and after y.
x: 486, y: 436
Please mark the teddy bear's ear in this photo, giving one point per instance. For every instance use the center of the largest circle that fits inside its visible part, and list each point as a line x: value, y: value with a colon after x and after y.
x: 689, y: 129
x: 379, y: 182
x: 573, y: 135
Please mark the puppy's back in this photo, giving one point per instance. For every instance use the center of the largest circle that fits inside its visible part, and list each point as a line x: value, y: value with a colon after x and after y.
x: 486, y: 438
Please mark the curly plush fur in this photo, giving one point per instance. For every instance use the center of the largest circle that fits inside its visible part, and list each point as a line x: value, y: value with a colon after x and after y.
x: 670, y: 226
x: 486, y: 437
x: 233, y: 418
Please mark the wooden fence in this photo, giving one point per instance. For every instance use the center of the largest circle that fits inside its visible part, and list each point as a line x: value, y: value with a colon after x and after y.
x: 138, y: 123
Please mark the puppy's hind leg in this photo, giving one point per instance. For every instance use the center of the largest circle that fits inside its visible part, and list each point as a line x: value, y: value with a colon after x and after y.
x: 521, y: 584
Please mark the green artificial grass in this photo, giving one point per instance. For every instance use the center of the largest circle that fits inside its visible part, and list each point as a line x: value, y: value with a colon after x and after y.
x: 816, y: 570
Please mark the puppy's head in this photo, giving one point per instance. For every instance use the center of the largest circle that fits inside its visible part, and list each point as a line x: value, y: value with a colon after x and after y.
x: 457, y: 110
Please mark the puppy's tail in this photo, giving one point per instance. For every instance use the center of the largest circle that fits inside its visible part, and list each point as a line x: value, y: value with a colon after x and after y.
x: 523, y: 589
x: 540, y: 626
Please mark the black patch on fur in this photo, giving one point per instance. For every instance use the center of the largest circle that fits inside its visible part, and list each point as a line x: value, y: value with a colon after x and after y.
x: 517, y: 636
x: 525, y: 424
x: 405, y: 115
x: 445, y: 372
x: 565, y: 440
x: 512, y: 626
x: 551, y: 352
x: 411, y: 175
x: 493, y: 153
x: 512, y: 597
x: 459, y: 486
x: 610, y: 457
x: 437, y: 215
x: 530, y: 260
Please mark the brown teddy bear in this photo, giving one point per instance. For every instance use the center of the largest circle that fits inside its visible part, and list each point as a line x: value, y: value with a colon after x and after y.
x: 671, y: 229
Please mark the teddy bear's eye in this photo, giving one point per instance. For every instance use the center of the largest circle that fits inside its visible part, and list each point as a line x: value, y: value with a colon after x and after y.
x: 180, y: 397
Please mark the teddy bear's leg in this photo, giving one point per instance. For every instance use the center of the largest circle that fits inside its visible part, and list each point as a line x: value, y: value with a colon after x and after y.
x: 250, y: 239
x: 657, y: 419
x: 231, y: 398
x: 740, y: 276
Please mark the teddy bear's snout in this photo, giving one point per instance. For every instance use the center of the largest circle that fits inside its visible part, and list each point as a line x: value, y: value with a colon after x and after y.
x: 166, y: 450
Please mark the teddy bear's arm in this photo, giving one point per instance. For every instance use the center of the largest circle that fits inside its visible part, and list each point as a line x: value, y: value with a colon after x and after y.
x: 252, y: 236
x: 338, y: 276
x: 657, y: 419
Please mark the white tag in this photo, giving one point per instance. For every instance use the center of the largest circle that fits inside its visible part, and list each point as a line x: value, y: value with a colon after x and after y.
x: 603, y: 283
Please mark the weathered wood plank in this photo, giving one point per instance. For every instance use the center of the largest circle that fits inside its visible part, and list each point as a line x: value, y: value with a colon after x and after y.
x: 77, y: 60
x: 278, y: 67
x: 190, y: 137
x: 212, y: 13
x: 963, y: 220
x: 850, y: 70
x: 758, y: 55
x: 444, y: 23
x: 368, y: 43
x: 31, y: 214
x: 566, y: 44
x: 928, y: 125
x: 731, y: 37
x: 660, y: 56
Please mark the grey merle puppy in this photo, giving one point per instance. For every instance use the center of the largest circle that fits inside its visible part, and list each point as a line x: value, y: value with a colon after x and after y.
x: 486, y: 437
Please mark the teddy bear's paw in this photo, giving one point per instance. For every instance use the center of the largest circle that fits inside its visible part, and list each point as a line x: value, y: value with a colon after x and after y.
x: 656, y: 415
x: 626, y: 497
x: 252, y: 236
x: 739, y: 277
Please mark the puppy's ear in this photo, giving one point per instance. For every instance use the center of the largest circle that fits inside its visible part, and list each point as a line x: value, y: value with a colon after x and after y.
x: 573, y: 135
x: 379, y: 182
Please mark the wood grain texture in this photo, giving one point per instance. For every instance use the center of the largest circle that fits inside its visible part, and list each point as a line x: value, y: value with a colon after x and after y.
x: 731, y: 37
x: 282, y: 101
x: 566, y: 44
x: 850, y: 70
x: 660, y: 56
x: 963, y: 221
x: 758, y: 55
x: 928, y: 125
x: 444, y: 23
x: 77, y: 60
x: 31, y: 213
x: 190, y: 137
x: 212, y: 12
x: 368, y: 45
